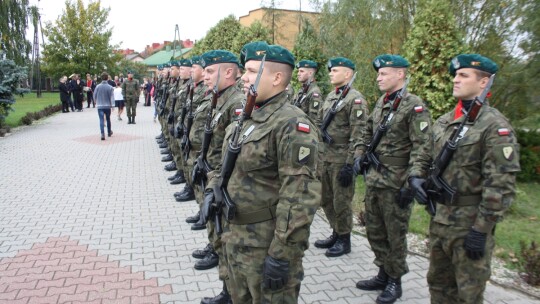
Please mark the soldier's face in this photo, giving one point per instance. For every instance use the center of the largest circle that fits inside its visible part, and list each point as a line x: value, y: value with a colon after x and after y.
x: 304, y: 74
x: 388, y: 79
x: 197, y: 73
x: 250, y: 76
x: 174, y: 71
x: 467, y: 86
x: 339, y: 76
x: 185, y: 72
x: 210, y: 75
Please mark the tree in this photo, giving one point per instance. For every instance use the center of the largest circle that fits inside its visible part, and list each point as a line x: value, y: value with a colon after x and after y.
x: 255, y: 32
x: 79, y: 41
x: 11, y: 76
x: 308, y: 46
x: 220, y: 36
x: 433, y: 42
x: 13, y: 42
x: 272, y: 16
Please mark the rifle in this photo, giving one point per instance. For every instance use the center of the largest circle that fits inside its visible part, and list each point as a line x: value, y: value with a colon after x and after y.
x: 329, y: 116
x: 185, y: 145
x: 302, y: 96
x: 202, y: 166
x: 371, y: 158
x: 164, y: 95
x: 179, y: 129
x: 223, y: 202
x: 170, y: 118
x: 436, y: 187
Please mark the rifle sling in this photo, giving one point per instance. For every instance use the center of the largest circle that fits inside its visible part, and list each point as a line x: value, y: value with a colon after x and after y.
x: 261, y: 215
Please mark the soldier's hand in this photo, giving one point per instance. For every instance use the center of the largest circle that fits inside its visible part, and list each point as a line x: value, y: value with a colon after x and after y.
x: 345, y: 176
x: 475, y: 244
x: 195, y: 173
x: 360, y: 164
x: 405, y: 197
x: 417, y: 186
x: 275, y: 273
x: 207, y: 207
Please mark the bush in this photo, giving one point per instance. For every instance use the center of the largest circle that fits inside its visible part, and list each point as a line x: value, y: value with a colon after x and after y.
x: 529, y: 155
x: 31, y: 116
x: 27, y: 119
x: 531, y: 263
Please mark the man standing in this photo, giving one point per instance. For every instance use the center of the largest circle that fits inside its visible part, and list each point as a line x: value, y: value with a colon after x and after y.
x: 404, y: 124
x: 344, y: 130
x: 130, y: 91
x: 90, y: 86
x: 104, y: 97
x: 482, y: 171
x: 273, y: 185
x: 309, y: 97
x: 64, y: 94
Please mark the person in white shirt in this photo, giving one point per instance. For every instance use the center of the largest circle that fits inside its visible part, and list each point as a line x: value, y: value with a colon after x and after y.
x: 119, y: 101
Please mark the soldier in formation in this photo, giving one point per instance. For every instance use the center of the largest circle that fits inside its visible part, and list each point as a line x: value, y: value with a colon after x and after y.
x: 309, y: 97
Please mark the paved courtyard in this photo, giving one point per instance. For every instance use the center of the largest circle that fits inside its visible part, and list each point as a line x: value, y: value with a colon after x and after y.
x: 90, y: 221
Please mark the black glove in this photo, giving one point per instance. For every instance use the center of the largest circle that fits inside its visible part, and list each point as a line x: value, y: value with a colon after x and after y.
x: 475, y: 244
x: 275, y: 273
x: 405, y: 197
x: 360, y: 164
x: 207, y: 208
x: 345, y: 176
x: 417, y: 187
x: 195, y: 174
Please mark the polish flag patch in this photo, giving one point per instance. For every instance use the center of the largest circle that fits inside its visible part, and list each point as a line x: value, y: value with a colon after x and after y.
x: 358, y: 101
x: 302, y: 127
x: 419, y: 109
x: 238, y: 111
x: 503, y: 131
x: 315, y: 94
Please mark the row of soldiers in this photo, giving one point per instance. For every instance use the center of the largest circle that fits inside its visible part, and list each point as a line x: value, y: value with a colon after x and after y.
x: 259, y: 162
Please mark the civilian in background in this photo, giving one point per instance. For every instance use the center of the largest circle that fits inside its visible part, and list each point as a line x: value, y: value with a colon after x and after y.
x: 90, y: 86
x: 104, y: 97
x: 64, y: 94
x: 119, y: 101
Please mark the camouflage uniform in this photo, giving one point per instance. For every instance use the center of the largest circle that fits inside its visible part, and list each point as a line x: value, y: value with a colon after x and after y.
x: 346, y: 129
x: 482, y: 170
x: 167, y: 85
x: 181, y: 92
x: 311, y: 105
x: 276, y: 192
x: 131, y: 92
x: 404, y: 151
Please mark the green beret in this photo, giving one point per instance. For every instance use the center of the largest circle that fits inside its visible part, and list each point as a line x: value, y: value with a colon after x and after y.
x: 167, y: 64
x: 185, y: 62
x: 129, y: 72
x: 274, y: 53
x: 390, y: 61
x: 160, y: 67
x: 175, y: 63
x: 218, y: 56
x: 473, y: 61
x: 341, y: 61
x: 196, y: 60
x: 307, y: 64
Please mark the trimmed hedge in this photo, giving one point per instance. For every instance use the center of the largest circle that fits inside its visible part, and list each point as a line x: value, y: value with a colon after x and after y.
x: 529, y: 155
x: 31, y: 116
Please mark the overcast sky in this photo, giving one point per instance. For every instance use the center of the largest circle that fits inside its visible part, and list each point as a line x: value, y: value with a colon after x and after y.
x: 139, y: 23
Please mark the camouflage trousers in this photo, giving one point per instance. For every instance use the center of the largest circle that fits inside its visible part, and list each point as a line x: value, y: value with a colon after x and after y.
x: 386, y: 227
x: 336, y: 200
x: 131, y: 106
x: 174, y: 146
x: 245, y: 265
x: 453, y: 277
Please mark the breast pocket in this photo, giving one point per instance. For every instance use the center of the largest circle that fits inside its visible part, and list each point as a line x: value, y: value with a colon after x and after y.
x: 255, y: 154
x: 469, y: 151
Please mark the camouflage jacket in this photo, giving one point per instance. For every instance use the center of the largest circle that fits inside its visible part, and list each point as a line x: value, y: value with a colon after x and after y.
x: 484, y: 165
x: 228, y: 108
x: 181, y: 93
x: 130, y: 89
x: 201, y: 104
x: 312, y: 103
x: 405, y: 148
x: 347, y: 127
x: 275, y: 171
x: 170, y: 87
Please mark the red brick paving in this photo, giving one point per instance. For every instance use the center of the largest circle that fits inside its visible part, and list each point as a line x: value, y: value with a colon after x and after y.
x: 62, y: 271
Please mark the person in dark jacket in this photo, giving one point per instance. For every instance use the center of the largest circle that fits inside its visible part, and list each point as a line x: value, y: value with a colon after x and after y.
x: 76, y: 88
x: 64, y: 94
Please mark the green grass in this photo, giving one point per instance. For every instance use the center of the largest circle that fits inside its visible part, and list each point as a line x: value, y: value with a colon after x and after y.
x: 30, y: 103
x: 521, y: 222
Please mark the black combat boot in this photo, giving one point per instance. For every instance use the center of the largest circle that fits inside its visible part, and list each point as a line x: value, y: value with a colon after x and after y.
x: 180, y: 179
x: 160, y: 136
x: 163, y: 145
x: 377, y: 282
x: 165, y: 151
x: 193, y: 219
x: 201, y: 253
x: 187, y: 194
x: 341, y: 247
x: 210, y: 261
x: 222, y: 298
x: 167, y: 158
x: 173, y: 177
x: 133, y: 120
x: 391, y: 293
x: 170, y: 167
x: 198, y: 226
x: 329, y: 242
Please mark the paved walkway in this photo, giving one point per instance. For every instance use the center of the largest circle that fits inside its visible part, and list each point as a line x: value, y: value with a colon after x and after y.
x: 85, y: 220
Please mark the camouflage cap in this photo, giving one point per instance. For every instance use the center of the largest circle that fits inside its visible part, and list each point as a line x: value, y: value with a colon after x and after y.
x: 196, y: 60
x: 473, y: 61
x: 307, y: 64
x: 218, y: 56
x: 390, y: 61
x: 185, y: 62
x: 341, y: 61
x: 274, y: 53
